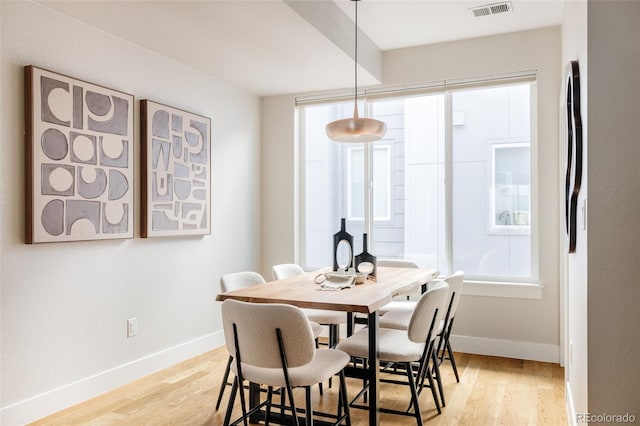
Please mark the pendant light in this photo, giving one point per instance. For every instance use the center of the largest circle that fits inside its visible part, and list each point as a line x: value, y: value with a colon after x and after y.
x: 356, y: 129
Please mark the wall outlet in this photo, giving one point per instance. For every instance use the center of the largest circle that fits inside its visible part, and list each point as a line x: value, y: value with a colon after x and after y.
x: 132, y: 327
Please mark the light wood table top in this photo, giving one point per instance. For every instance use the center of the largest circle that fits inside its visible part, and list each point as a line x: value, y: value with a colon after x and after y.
x: 366, y: 298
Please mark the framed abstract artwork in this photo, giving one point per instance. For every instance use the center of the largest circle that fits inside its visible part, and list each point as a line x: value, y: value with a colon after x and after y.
x: 79, y: 159
x: 573, y: 177
x: 176, y: 171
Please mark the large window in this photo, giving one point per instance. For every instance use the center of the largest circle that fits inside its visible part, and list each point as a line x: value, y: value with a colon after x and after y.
x: 449, y: 186
x: 355, y: 197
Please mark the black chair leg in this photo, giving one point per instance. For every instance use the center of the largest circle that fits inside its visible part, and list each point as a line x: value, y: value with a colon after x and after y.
x: 436, y: 370
x: 232, y: 400
x: 442, y: 347
x: 414, y: 395
x: 453, y: 362
x: 309, y: 410
x: 292, y: 404
x: 344, y: 398
x: 224, y: 383
x: 267, y: 417
x: 433, y: 390
x: 242, y: 402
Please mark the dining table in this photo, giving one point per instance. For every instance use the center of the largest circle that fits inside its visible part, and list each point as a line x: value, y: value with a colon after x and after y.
x: 365, y: 298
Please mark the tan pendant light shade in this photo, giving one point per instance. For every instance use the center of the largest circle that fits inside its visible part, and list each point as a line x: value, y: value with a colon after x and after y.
x: 356, y: 129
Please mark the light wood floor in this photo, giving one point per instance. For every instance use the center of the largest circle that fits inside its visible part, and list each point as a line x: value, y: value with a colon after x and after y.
x: 492, y: 391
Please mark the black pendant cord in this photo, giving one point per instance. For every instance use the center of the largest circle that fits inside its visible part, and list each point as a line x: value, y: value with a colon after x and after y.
x: 355, y: 95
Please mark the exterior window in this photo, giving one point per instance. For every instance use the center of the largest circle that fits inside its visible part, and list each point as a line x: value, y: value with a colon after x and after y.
x: 355, y: 183
x: 511, y: 188
x: 448, y: 198
x: 491, y: 183
x: 381, y: 183
x: 355, y: 194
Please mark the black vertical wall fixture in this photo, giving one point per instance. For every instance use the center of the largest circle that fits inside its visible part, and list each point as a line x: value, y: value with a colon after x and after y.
x: 573, y: 179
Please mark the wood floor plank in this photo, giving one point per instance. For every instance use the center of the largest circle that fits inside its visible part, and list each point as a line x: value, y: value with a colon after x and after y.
x: 492, y: 391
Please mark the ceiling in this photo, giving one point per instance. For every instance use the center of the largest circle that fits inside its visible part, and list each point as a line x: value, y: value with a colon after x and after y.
x: 268, y: 48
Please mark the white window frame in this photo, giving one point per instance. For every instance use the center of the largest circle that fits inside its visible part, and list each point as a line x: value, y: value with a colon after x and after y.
x: 495, y: 228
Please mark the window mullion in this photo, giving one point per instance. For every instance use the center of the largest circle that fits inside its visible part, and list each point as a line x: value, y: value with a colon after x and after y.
x: 448, y: 179
x: 368, y: 183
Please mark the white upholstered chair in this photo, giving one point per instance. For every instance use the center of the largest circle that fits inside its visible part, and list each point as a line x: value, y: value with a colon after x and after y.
x: 286, y: 270
x: 237, y: 281
x: 331, y: 319
x: 400, y: 302
x: 397, y: 263
x: 274, y: 345
x: 412, y: 349
x: 399, y: 319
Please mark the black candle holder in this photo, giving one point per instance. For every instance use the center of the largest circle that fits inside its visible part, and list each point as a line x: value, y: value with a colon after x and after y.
x: 365, y: 256
x: 338, y: 237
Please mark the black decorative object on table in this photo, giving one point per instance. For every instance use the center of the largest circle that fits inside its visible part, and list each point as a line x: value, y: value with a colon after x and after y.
x: 342, y: 237
x: 365, y: 256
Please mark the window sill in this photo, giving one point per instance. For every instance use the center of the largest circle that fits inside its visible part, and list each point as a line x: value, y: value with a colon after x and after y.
x: 503, y: 289
x: 509, y: 290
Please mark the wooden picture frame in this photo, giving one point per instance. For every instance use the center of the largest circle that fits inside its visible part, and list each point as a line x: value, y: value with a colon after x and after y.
x: 79, y: 159
x: 176, y: 171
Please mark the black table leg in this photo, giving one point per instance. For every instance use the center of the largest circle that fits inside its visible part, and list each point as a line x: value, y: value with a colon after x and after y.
x: 374, y: 371
x: 349, y: 323
x: 254, y: 401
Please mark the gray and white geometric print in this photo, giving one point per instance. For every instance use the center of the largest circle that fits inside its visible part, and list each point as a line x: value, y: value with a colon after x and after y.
x: 178, y: 171
x: 81, y: 141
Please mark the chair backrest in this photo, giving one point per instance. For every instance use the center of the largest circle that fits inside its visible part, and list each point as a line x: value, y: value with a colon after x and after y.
x: 286, y: 270
x: 455, y: 282
x: 429, y: 310
x: 397, y: 263
x: 238, y: 280
x: 256, y: 325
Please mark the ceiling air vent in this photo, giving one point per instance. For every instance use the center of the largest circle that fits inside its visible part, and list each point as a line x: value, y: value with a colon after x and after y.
x: 492, y: 9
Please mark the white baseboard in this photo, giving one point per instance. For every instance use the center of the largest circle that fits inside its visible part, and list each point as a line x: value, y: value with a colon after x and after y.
x: 55, y: 400
x: 506, y: 348
x: 571, y: 409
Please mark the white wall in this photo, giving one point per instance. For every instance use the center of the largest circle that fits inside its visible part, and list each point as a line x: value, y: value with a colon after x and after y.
x: 506, y: 326
x: 614, y: 208
x: 602, y: 291
x: 574, y: 47
x: 279, y: 183
x: 65, y: 305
